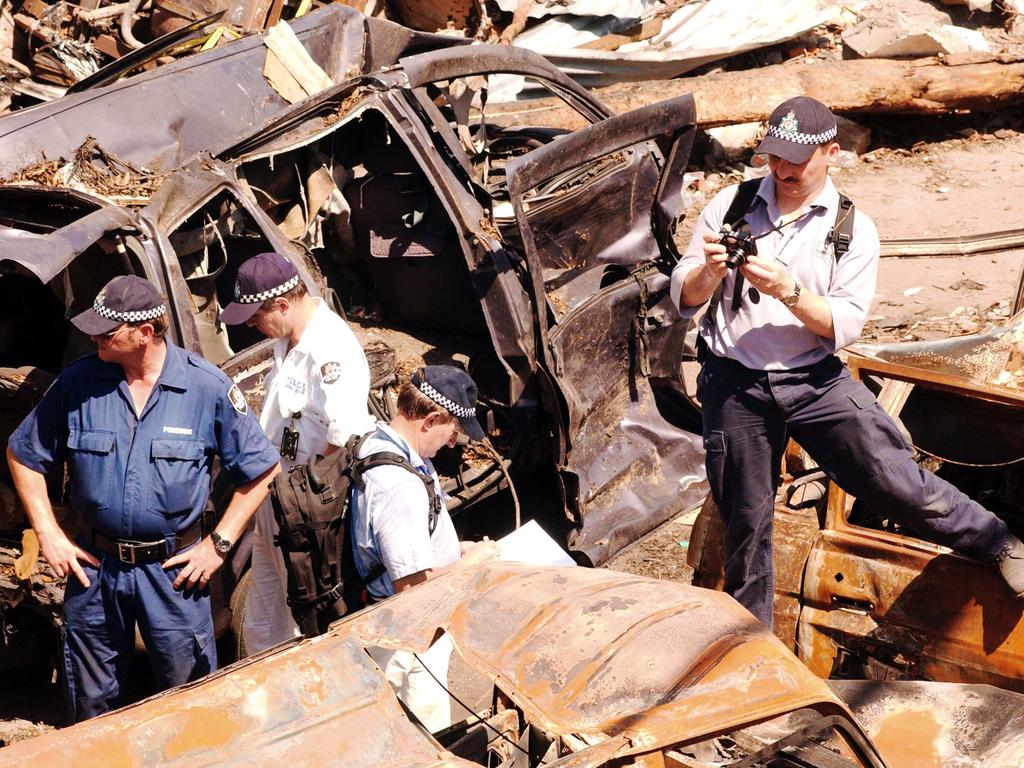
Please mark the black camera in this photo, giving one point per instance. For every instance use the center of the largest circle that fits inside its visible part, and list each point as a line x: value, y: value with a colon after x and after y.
x: 739, y: 244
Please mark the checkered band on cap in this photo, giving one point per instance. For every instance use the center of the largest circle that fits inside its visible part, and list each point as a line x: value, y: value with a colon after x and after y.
x: 453, y: 408
x: 133, y: 316
x: 787, y: 130
x: 257, y: 298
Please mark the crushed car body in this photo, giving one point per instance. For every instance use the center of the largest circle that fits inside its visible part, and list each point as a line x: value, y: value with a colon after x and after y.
x: 538, y: 260
x: 860, y: 596
x: 161, y: 118
x: 614, y: 670
x: 590, y: 668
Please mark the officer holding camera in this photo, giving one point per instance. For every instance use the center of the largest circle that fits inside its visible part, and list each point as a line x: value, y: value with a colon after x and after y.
x: 789, y: 283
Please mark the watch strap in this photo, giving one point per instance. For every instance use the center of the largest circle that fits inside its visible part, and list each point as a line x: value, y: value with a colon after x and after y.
x: 794, y: 297
x: 221, y: 544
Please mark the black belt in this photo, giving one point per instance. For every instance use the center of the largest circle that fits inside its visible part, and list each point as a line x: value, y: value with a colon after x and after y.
x: 142, y: 552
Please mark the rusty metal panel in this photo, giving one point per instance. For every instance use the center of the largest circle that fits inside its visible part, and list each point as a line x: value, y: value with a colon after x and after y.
x: 625, y: 466
x: 884, y: 604
x: 629, y: 665
x: 931, y: 725
x: 321, y: 703
x: 591, y: 651
x: 986, y: 360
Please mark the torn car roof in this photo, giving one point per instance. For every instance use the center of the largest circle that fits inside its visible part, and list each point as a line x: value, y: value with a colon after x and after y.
x: 634, y: 662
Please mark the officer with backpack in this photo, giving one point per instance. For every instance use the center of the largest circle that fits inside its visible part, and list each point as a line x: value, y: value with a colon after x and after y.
x: 316, y: 399
x: 788, y: 267
x: 401, y: 531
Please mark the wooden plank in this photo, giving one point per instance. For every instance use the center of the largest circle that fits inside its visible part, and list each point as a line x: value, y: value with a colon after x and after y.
x: 293, y: 63
x: 922, y: 86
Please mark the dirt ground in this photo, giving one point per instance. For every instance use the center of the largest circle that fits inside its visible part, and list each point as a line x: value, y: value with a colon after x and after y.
x: 956, y: 187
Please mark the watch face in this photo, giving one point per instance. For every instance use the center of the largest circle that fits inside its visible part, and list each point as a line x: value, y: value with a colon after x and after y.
x: 220, y: 543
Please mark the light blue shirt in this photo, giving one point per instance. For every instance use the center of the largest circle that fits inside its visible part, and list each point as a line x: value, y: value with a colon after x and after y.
x: 389, y: 520
x: 766, y: 335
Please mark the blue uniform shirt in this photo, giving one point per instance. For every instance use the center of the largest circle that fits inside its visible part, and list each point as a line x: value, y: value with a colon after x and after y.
x: 143, y: 478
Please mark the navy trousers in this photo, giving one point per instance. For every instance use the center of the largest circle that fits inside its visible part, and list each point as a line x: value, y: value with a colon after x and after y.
x: 748, y: 416
x: 99, y: 633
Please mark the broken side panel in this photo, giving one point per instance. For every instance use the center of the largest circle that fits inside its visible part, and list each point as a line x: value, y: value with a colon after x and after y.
x: 587, y: 206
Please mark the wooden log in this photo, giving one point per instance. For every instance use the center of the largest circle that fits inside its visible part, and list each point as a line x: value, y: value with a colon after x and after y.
x: 922, y: 86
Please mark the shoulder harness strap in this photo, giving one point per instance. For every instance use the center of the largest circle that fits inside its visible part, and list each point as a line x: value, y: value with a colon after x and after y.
x: 842, y: 230
x: 738, y: 208
x: 398, y: 460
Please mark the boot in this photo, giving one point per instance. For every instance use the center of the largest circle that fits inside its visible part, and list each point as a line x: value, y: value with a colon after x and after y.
x: 1011, y: 564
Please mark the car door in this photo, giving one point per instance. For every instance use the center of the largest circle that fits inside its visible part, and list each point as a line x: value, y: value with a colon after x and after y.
x: 596, y: 211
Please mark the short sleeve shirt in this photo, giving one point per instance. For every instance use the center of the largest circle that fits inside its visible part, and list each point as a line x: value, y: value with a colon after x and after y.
x: 319, y: 387
x: 765, y: 335
x: 146, y: 477
x: 390, y: 518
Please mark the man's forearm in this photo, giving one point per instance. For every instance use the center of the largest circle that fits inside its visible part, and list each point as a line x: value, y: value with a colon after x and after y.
x: 816, y: 315
x: 31, y: 488
x: 698, y: 286
x: 244, y: 503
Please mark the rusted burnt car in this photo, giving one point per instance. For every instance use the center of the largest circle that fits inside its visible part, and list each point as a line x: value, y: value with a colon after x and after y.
x: 589, y: 667
x: 539, y: 261
x: 860, y: 596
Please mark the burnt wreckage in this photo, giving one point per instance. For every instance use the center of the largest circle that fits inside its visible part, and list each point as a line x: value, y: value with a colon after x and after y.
x: 859, y: 595
x: 538, y: 260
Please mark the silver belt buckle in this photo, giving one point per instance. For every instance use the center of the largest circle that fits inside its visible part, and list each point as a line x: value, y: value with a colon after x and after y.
x: 122, y: 548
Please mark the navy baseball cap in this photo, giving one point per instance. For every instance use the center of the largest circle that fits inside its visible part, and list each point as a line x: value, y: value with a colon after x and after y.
x: 125, y: 299
x: 796, y: 128
x: 262, y: 277
x: 453, y: 390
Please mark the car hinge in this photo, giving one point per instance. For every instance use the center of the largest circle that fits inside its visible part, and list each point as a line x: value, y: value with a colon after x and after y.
x: 556, y: 358
x: 641, y: 342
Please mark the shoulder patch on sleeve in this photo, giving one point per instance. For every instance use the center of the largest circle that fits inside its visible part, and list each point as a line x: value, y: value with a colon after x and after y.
x: 238, y: 400
x: 330, y: 372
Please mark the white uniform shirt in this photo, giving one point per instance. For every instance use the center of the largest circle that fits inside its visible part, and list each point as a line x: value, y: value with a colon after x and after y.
x: 766, y: 335
x: 325, y: 379
x: 389, y: 519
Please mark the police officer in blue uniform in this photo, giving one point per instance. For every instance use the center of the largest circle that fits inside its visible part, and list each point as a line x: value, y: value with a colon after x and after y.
x: 138, y: 425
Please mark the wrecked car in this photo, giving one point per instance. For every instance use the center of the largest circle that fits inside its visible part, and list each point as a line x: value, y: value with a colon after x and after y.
x: 587, y: 667
x: 861, y: 596
x: 537, y: 260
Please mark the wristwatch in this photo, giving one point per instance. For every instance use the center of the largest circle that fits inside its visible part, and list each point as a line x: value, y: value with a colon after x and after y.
x: 794, y: 297
x: 221, y: 544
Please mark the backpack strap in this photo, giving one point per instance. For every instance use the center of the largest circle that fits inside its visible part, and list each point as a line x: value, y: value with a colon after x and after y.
x: 385, y: 458
x: 842, y: 231
x: 738, y: 208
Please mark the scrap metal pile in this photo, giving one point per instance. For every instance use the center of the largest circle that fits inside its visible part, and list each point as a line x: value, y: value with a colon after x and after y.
x: 47, y: 47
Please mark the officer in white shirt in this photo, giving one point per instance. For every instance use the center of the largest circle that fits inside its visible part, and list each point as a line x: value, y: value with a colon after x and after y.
x: 770, y: 371
x: 316, y: 399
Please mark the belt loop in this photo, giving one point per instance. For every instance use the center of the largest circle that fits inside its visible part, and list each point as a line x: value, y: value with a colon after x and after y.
x: 170, y: 545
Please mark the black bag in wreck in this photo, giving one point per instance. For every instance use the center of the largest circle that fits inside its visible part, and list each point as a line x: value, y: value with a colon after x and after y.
x: 311, y: 503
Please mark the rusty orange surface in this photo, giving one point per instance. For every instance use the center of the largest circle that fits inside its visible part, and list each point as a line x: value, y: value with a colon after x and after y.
x: 318, y: 703
x: 937, y: 725
x: 599, y: 652
x: 636, y: 663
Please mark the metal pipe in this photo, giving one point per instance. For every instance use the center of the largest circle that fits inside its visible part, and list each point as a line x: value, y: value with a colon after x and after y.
x: 127, y: 16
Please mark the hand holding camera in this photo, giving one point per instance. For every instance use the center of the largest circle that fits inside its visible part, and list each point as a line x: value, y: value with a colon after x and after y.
x: 739, y: 243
